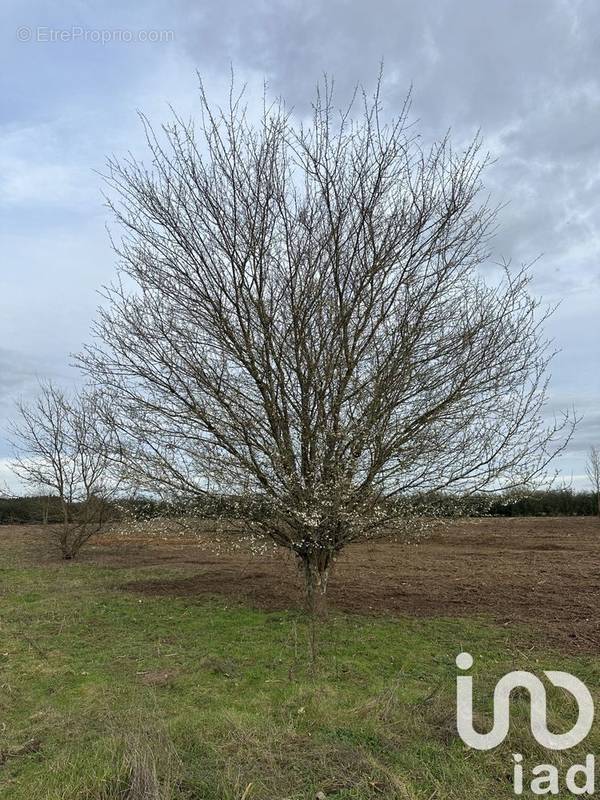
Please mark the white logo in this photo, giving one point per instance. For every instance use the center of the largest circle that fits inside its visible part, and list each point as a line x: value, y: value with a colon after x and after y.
x: 537, y: 695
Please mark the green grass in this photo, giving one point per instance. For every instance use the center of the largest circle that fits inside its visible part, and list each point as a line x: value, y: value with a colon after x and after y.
x: 213, y: 697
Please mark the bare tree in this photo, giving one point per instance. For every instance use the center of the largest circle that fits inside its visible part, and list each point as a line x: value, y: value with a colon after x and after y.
x: 302, y: 319
x: 593, y: 473
x: 62, y: 447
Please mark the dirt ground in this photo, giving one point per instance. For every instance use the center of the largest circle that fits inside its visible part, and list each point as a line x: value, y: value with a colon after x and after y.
x: 524, y: 570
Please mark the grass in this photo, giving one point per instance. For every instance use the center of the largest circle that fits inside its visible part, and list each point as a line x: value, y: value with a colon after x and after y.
x: 107, y: 694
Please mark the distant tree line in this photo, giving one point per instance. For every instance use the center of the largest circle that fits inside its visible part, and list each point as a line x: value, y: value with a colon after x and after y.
x: 44, y: 509
x: 29, y: 510
x: 551, y: 503
x: 542, y: 503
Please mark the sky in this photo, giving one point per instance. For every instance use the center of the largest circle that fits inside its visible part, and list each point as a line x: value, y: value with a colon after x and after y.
x: 74, y: 75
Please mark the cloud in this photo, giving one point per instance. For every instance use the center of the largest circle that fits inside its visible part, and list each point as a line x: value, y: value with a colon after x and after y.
x: 524, y: 73
x: 9, y: 483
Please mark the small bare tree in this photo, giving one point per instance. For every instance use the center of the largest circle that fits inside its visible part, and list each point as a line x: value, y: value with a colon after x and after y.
x: 62, y: 447
x: 593, y: 473
x: 311, y: 328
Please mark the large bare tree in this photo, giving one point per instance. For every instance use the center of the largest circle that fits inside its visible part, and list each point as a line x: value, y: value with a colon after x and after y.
x: 302, y: 318
x: 593, y: 473
x: 62, y: 447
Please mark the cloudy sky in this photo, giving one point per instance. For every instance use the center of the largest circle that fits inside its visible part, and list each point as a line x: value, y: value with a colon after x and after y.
x: 526, y: 74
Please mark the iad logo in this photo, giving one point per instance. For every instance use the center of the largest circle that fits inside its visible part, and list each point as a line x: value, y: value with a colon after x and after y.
x: 545, y: 779
x: 537, y: 695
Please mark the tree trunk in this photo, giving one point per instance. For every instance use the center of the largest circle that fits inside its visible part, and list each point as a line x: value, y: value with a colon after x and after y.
x: 316, y: 566
x: 65, y: 545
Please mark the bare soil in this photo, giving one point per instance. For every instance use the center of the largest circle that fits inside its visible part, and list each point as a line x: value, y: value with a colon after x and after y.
x: 542, y: 571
